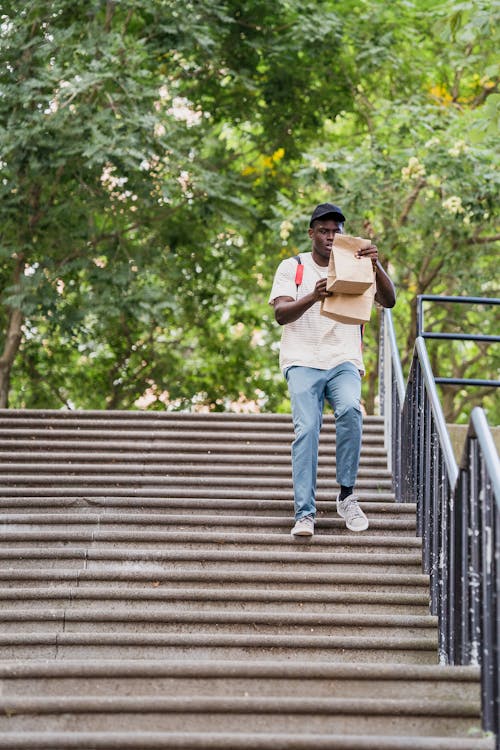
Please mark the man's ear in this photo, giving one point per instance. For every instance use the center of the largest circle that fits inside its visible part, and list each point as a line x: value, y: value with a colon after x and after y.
x: 310, y: 232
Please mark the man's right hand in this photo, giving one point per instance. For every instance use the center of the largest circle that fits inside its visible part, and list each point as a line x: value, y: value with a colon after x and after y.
x: 288, y: 310
x: 320, y: 292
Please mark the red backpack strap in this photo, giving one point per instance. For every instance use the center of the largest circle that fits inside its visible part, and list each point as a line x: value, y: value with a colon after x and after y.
x: 299, y: 273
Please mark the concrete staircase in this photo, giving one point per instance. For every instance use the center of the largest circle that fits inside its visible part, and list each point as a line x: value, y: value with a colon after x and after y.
x: 152, y: 597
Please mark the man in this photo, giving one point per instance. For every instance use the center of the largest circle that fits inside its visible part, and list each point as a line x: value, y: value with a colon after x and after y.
x: 320, y: 359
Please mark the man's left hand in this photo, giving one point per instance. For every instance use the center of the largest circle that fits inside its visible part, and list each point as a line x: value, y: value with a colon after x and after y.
x: 369, y: 252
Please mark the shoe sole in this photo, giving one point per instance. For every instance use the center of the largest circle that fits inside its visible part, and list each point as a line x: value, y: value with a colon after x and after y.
x: 302, y: 533
x: 362, y: 528
x: 351, y: 528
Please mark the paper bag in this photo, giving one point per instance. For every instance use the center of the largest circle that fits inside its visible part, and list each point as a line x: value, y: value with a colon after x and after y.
x: 346, y: 273
x: 349, y: 308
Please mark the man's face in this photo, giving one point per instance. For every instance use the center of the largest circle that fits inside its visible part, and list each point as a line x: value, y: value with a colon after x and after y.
x: 322, y: 234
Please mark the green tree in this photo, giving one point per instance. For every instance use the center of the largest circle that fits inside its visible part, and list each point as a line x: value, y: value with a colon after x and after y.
x: 155, y: 169
x: 416, y: 161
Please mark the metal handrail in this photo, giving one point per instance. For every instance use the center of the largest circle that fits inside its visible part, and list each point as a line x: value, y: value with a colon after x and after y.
x: 391, y: 391
x: 421, y: 298
x: 393, y: 348
x: 477, y: 337
x: 474, y: 555
x: 458, y: 513
x: 437, y: 411
x: 480, y: 428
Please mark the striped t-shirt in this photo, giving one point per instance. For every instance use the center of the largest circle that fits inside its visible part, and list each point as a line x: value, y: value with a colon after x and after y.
x: 313, y: 340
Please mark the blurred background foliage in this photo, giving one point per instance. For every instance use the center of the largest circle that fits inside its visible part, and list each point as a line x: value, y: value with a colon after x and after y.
x: 159, y: 158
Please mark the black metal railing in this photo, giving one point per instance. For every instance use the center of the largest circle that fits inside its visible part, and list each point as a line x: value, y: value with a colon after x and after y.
x: 472, y: 632
x: 458, y: 511
x: 391, y: 394
x: 458, y: 336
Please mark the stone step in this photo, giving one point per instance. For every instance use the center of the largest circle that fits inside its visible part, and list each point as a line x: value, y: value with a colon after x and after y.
x: 114, y: 421
x: 256, y: 599
x: 167, y: 470
x: 95, y: 536
x: 306, y: 558
x: 160, y: 620
x: 138, y: 415
x: 150, y: 591
x: 227, y: 713
x: 184, y: 459
x: 326, y: 530
x: 391, y: 519
x: 46, y: 444
x: 235, y: 514
x: 394, y: 649
x: 269, y: 482
x: 230, y: 578
x: 202, y: 493
x: 258, y: 434
x: 143, y: 677
x: 261, y: 740
x: 194, y: 502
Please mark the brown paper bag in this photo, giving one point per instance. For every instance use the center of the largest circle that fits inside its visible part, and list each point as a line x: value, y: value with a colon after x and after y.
x: 346, y: 273
x: 349, y: 308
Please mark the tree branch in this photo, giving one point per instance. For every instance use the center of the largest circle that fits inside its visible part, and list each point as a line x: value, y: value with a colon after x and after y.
x: 410, y: 202
x: 485, y: 240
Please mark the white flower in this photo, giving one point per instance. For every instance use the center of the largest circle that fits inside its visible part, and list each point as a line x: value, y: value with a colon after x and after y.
x: 182, y: 109
x: 459, y: 148
x: 413, y: 171
x: 433, y: 180
x: 285, y: 229
x: 319, y: 165
x: 453, y: 205
x: 432, y: 142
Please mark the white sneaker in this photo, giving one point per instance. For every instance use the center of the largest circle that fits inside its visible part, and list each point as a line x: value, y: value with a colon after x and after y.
x: 303, y: 527
x: 355, y: 519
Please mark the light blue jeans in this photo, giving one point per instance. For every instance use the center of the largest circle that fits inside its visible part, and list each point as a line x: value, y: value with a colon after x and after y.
x: 308, y: 388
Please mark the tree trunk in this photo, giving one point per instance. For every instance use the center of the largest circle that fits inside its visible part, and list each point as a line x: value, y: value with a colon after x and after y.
x: 12, y: 342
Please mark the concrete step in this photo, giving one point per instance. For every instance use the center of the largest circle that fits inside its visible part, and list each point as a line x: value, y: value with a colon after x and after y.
x: 326, y: 530
x: 149, y: 586
x: 154, y: 576
x: 168, y: 470
x: 115, y: 420
x: 186, y: 460
x: 268, y: 482
x: 263, y: 434
x: 189, y: 504
x: 184, y: 514
x: 186, y: 491
x: 261, y: 740
x: 42, y: 445
x: 186, y: 599
x: 93, y: 536
x: 396, y: 649
x: 304, y: 714
x: 305, y: 558
x: 161, y: 620
x: 143, y: 677
x: 110, y: 421
x: 88, y: 511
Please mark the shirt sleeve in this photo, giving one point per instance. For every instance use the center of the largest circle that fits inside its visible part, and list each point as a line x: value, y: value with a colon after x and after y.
x: 284, y: 280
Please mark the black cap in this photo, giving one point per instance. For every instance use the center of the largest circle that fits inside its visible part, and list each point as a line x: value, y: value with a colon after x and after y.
x: 327, y: 209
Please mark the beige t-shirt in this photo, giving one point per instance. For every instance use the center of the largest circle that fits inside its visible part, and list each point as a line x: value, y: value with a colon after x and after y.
x: 313, y: 340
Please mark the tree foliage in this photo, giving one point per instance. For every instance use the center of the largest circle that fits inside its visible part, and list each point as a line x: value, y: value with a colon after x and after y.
x: 159, y: 158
